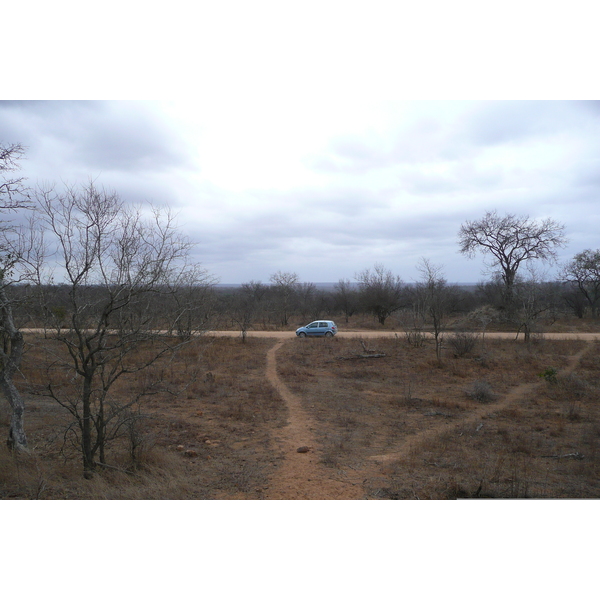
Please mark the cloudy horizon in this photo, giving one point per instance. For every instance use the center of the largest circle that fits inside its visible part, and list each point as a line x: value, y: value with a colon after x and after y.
x: 323, y: 194
x: 319, y: 141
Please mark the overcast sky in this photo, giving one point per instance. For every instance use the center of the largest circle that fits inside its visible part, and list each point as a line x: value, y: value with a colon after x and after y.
x: 287, y: 142
x: 319, y: 137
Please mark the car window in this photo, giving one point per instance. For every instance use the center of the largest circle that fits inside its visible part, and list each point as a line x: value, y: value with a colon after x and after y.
x: 311, y: 325
x: 322, y: 324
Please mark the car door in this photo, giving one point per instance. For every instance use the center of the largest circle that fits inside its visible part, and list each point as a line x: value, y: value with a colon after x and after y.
x: 322, y: 328
x: 312, y: 328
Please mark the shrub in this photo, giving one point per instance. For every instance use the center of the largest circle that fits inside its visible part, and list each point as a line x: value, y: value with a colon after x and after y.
x: 549, y: 374
x: 415, y: 338
x: 481, y: 391
x: 462, y: 343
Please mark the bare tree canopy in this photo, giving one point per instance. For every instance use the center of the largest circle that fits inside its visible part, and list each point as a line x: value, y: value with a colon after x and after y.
x: 12, y: 197
x: 584, y: 271
x: 286, y: 287
x: 127, y: 281
x: 346, y: 298
x: 13, y: 193
x: 381, y: 291
x: 434, y: 299
x: 511, y: 240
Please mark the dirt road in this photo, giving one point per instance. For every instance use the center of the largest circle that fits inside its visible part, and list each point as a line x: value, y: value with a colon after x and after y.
x: 284, y: 335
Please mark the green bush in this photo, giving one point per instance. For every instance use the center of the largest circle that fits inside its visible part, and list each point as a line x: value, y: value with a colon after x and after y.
x: 549, y: 374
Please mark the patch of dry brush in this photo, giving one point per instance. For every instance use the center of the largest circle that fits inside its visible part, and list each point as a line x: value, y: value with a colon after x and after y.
x: 205, y: 434
x: 443, y: 427
x: 543, y: 445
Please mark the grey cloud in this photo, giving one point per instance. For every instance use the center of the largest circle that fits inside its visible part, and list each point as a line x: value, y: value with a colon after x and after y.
x: 587, y: 175
x: 440, y: 172
x: 592, y: 106
x: 340, y: 247
x: 463, y: 177
x: 461, y: 136
x: 423, y: 183
x: 244, y: 237
x: 340, y: 202
x: 97, y: 136
x: 425, y: 140
x: 503, y: 122
x: 348, y: 154
x: 495, y: 123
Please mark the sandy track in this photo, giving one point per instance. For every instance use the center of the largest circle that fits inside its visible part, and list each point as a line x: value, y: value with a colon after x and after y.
x: 284, y: 335
x: 300, y: 476
x: 516, y: 394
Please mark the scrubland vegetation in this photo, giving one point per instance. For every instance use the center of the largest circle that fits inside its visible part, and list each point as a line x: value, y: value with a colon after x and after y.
x: 446, y: 431
x: 203, y: 433
x: 405, y: 424
x: 115, y: 388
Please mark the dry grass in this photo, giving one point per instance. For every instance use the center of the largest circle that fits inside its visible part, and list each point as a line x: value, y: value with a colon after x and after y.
x: 368, y: 407
x: 211, y: 440
x: 210, y: 435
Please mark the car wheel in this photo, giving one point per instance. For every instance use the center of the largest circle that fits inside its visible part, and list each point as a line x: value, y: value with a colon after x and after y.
x: 328, y: 334
x: 302, y: 334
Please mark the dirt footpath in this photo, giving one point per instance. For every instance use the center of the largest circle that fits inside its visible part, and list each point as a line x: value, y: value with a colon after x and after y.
x: 301, y: 477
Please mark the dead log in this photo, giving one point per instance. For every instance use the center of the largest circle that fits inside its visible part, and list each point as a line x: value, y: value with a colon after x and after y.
x: 438, y: 413
x: 575, y: 455
x: 357, y: 356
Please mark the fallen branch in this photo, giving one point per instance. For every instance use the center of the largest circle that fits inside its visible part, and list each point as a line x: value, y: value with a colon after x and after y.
x: 115, y: 468
x: 366, y: 349
x: 435, y: 413
x: 439, y: 465
x: 361, y: 356
x: 575, y: 455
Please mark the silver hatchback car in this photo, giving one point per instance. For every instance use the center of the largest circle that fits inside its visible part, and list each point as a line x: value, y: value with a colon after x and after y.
x: 316, y: 328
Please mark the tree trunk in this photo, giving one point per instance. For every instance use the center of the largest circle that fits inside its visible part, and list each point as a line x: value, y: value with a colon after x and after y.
x: 86, y: 431
x: 101, y: 432
x: 508, y: 294
x: 10, y: 360
x: 16, y: 434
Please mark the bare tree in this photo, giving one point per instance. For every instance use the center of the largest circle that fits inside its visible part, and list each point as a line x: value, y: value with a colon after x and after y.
x: 117, y: 266
x: 189, y: 297
x: 584, y: 272
x: 13, y: 196
x: 574, y: 299
x: 285, y: 286
x: 381, y: 292
x: 259, y: 293
x: 244, y: 305
x: 531, y: 300
x: 346, y: 297
x: 11, y: 354
x: 306, y: 294
x: 435, y: 298
x: 13, y: 192
x: 511, y: 241
x: 484, y: 315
